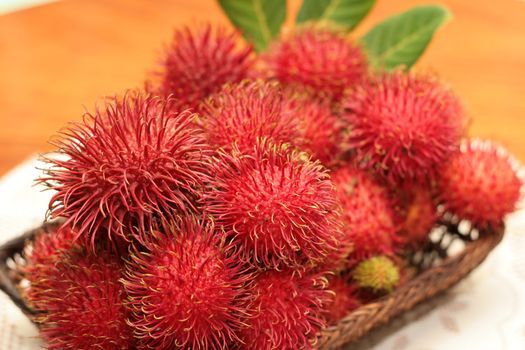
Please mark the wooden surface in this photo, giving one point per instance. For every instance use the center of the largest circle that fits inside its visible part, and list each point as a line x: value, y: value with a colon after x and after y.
x: 58, y: 58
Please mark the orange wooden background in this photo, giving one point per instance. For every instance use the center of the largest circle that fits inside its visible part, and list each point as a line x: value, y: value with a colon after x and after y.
x: 57, y: 58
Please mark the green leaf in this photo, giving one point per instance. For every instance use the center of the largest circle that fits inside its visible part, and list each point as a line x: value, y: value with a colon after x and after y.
x: 259, y: 20
x: 345, y: 13
x: 402, y: 39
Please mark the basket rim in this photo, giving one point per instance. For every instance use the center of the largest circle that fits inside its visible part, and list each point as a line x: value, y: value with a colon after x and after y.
x: 454, y: 268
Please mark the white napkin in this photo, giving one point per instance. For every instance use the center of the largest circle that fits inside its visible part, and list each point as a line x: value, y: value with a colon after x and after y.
x: 7, y: 6
x: 22, y: 207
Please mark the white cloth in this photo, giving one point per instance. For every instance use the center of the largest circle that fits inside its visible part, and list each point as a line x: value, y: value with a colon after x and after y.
x: 22, y: 206
x: 7, y: 6
x: 484, y: 312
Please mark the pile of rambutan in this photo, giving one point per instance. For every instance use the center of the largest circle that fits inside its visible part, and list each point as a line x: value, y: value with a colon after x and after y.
x: 248, y: 201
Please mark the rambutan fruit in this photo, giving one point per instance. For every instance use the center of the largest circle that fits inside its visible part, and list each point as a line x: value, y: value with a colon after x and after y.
x: 127, y: 164
x: 48, y: 247
x: 368, y: 216
x: 275, y: 204
x: 337, y: 259
x: 321, y: 133
x: 79, y: 301
x: 186, y: 289
x: 286, y: 310
x: 378, y: 274
x: 199, y: 62
x: 322, y: 59
x: 48, y: 244
x: 418, y: 214
x: 404, y: 126
x: 480, y: 183
x: 241, y: 113
x: 343, y: 301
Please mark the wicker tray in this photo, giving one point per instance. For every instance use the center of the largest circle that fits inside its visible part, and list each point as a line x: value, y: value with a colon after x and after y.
x: 438, y: 271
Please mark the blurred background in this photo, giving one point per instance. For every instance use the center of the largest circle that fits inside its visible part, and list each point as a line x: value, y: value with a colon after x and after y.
x: 58, y: 58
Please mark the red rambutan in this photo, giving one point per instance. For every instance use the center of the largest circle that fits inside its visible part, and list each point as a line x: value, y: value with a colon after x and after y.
x: 79, y: 300
x: 343, y: 301
x: 322, y: 59
x: 418, y: 214
x: 125, y: 165
x: 48, y: 247
x: 403, y: 126
x: 368, y: 216
x: 480, y: 183
x: 48, y: 244
x: 276, y: 204
x: 186, y: 290
x: 286, y: 310
x: 197, y: 63
x: 337, y: 260
x: 321, y: 132
x: 241, y: 113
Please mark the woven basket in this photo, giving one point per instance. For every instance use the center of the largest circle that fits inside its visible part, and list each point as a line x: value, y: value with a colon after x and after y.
x: 438, y: 268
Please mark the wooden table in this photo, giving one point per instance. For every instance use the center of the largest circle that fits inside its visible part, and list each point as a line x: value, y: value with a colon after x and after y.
x: 58, y: 58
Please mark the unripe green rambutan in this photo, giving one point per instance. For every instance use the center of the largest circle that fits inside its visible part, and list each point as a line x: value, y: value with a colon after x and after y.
x: 378, y: 273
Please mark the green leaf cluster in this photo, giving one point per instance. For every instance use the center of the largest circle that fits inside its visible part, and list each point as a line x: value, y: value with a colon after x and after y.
x: 398, y: 41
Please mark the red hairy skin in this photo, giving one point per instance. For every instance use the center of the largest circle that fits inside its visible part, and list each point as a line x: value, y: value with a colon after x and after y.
x: 286, y: 311
x: 276, y: 205
x: 321, y: 132
x: 418, y: 215
x: 403, y: 126
x: 127, y: 164
x: 80, y: 301
x: 41, y: 255
x: 241, y: 113
x: 343, y: 301
x: 368, y: 216
x: 185, y: 290
x: 199, y: 62
x: 480, y: 183
x: 47, y: 246
x: 337, y: 260
x: 321, y: 59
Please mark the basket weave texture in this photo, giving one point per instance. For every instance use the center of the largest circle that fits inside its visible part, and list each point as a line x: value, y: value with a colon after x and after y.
x: 438, y: 271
